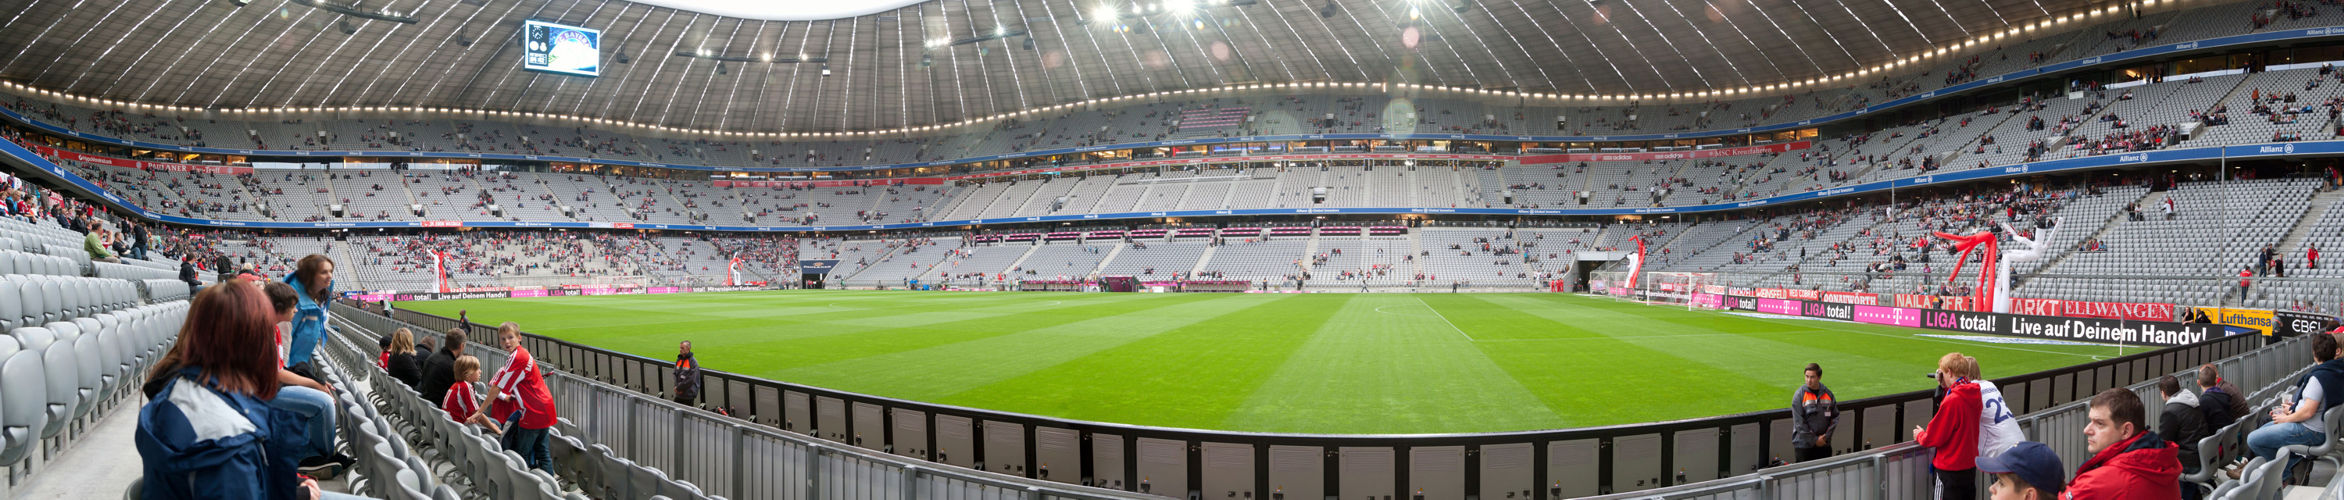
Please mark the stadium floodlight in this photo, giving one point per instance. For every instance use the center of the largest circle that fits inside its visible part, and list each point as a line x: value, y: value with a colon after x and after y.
x: 1105, y: 13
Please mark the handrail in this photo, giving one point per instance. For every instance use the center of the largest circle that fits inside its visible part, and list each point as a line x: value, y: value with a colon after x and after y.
x: 1743, y: 440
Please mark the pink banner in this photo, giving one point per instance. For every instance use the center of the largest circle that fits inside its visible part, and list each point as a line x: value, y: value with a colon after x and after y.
x: 1665, y: 155
x: 1779, y: 306
x: 1894, y: 316
x: 666, y: 289
x: 529, y: 293
x: 1708, y: 301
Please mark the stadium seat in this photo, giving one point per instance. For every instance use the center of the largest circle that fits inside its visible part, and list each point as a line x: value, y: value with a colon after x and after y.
x: 61, y: 384
x: 21, y: 416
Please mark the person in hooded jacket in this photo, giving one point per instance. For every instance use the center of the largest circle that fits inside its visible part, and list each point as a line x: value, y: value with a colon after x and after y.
x: 2182, y: 423
x: 207, y: 430
x: 1955, y: 435
x: 2218, y: 399
x: 313, y: 283
x: 2128, y: 462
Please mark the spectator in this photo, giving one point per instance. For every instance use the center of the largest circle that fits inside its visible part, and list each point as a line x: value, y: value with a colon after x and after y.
x: 522, y: 396
x: 138, y: 240
x: 96, y: 242
x: 382, y: 352
x: 2218, y: 399
x: 2182, y: 423
x: 402, y: 360
x: 439, y: 370
x: 188, y: 274
x: 313, y: 283
x: 1956, y: 439
x: 207, y: 429
x: 2127, y: 460
x: 2027, y: 471
x: 2243, y: 274
x: 2299, y: 420
x: 687, y: 375
x: 2311, y: 256
x: 461, y: 404
x: 304, y: 396
x: 1997, y: 429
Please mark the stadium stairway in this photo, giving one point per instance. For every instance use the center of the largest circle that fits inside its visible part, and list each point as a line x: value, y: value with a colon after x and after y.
x: 2320, y: 201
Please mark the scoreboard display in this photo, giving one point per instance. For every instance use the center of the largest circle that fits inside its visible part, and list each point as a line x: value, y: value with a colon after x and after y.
x: 560, y: 49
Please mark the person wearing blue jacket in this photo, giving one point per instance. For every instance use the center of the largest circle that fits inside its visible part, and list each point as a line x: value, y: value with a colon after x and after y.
x: 207, y: 430
x: 312, y: 282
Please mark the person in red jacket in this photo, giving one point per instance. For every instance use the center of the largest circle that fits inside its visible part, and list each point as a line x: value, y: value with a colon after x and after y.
x: 2128, y: 461
x: 1956, y: 431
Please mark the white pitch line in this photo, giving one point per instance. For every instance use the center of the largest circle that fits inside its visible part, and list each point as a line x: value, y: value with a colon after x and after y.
x: 1444, y: 318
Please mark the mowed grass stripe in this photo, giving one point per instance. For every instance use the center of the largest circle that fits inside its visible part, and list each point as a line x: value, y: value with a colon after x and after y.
x: 1190, y: 376
x: 1397, y: 370
x: 1575, y: 374
x: 1025, y: 348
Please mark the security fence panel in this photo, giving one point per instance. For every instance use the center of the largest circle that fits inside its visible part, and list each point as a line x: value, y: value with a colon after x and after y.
x: 870, y: 423
x: 1572, y: 468
x: 1005, y: 450
x: 1636, y: 463
x: 1228, y: 470
x: 1437, y: 472
x: 1109, y: 467
x: 956, y: 440
x: 1299, y: 472
x: 911, y: 434
x: 776, y: 467
x: 1058, y: 454
x: 1366, y: 472
x: 1879, y: 426
x: 1696, y: 456
x: 1163, y: 467
x: 1742, y: 453
x: 768, y: 410
x: 1508, y: 469
x: 830, y: 419
x: 797, y: 412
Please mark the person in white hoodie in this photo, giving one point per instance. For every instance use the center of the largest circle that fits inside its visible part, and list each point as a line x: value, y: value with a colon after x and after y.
x: 1997, y: 427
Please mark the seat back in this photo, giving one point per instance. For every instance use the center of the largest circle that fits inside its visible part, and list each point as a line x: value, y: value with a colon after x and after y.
x: 64, y: 359
x: 60, y: 386
x: 30, y: 298
x: 16, y: 425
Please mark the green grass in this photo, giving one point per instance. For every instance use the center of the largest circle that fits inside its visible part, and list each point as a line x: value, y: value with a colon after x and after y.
x: 1310, y: 363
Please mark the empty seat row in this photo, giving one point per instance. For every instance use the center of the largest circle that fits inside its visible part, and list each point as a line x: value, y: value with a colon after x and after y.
x: 166, y: 290
x: 75, y: 253
x: 14, y: 262
x: 35, y: 300
x: 130, y: 272
x: 58, y: 374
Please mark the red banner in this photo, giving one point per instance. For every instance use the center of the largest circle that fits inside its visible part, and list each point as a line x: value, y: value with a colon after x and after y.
x: 2133, y: 311
x: 1816, y: 295
x: 923, y: 181
x: 140, y: 164
x: 443, y: 223
x: 1665, y: 155
x: 1769, y: 293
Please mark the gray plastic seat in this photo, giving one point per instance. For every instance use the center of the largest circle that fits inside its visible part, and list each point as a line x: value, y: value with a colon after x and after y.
x: 66, y: 342
x: 97, y: 372
x: 22, y: 391
x: 61, y: 385
x: 32, y: 300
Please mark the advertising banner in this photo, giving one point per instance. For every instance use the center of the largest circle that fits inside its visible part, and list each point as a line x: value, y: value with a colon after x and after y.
x: 822, y: 266
x: 1851, y: 298
x: 141, y: 164
x: 1892, y: 316
x: 1708, y: 301
x: 2251, y: 319
x: 2098, y: 330
x: 1779, y: 306
x: 1665, y: 155
x: 2139, y: 311
x: 2291, y: 323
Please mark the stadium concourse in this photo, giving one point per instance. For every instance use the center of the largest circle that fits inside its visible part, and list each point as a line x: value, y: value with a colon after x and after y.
x: 2161, y: 162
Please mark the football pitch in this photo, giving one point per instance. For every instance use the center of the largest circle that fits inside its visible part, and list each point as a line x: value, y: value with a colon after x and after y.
x: 1301, y: 363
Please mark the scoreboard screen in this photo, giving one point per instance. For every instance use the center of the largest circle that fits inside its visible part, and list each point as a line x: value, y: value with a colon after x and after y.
x: 561, y: 49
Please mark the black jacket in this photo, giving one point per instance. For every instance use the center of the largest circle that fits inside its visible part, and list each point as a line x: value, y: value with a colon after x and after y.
x: 687, y: 379
x: 2184, y: 425
x: 439, y: 372
x: 403, y: 367
x: 2219, y: 407
x: 187, y: 274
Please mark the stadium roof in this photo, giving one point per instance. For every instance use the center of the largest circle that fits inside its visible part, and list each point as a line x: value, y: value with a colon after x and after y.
x: 942, y: 61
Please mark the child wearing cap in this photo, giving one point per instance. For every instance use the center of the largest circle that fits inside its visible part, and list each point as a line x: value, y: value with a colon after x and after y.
x: 2026, y: 471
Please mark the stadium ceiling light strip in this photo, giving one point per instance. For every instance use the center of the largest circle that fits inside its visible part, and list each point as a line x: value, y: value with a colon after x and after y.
x: 1751, y: 90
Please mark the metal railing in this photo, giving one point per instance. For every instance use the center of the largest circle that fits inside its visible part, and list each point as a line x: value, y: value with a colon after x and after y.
x: 1185, y: 462
x: 727, y: 457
